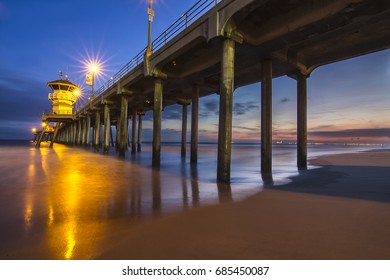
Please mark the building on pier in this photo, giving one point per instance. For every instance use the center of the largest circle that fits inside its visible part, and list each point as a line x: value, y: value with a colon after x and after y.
x: 63, y: 96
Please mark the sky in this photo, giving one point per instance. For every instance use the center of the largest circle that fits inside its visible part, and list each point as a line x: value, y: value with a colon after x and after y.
x: 348, y: 101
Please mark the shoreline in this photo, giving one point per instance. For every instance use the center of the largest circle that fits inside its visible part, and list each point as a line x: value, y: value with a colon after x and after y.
x: 340, y: 210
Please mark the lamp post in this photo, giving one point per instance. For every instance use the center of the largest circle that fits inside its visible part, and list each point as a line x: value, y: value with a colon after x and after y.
x: 90, y: 78
x: 151, y: 15
x: 93, y: 68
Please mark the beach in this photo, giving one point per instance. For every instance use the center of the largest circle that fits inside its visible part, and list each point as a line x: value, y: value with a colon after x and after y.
x: 73, y: 203
x: 340, y: 210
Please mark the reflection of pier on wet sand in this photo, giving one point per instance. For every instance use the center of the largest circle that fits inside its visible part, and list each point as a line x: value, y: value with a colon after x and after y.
x: 338, y: 211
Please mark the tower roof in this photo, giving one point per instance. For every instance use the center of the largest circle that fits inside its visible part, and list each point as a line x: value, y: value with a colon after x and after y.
x: 61, y: 82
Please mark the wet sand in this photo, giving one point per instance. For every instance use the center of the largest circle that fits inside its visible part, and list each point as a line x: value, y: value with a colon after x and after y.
x: 340, y: 210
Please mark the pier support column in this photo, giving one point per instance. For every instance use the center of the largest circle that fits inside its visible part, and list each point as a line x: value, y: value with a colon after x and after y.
x: 123, y: 128
x: 226, y: 111
x: 88, y: 130
x: 38, y: 144
x: 266, y: 117
x: 79, y: 132
x: 133, y: 131
x: 139, y: 140
x: 68, y: 134
x: 84, y: 132
x: 55, y: 134
x: 74, y: 128
x: 117, y: 132
x: 97, y: 131
x: 194, y: 125
x: 107, y: 128
x: 184, y: 130
x: 157, y: 114
x: 302, y: 121
x: 112, y: 137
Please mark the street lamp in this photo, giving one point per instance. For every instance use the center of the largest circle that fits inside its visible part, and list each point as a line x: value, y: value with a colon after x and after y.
x: 151, y: 15
x: 90, y: 77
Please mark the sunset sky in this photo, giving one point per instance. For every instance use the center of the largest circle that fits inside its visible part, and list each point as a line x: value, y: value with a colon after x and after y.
x: 348, y: 101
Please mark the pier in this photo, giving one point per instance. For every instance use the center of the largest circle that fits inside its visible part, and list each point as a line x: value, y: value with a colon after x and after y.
x: 215, y: 48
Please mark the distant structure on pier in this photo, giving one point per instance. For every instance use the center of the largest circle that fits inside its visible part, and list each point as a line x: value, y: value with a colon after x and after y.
x: 63, y: 96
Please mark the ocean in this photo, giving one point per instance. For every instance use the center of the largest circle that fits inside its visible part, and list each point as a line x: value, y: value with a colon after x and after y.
x: 66, y: 202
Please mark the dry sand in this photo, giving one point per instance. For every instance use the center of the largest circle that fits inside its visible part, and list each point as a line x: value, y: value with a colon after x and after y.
x: 338, y: 211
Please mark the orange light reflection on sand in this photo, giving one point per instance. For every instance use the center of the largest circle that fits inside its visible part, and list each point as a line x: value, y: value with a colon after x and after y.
x: 29, y: 196
x: 72, y: 225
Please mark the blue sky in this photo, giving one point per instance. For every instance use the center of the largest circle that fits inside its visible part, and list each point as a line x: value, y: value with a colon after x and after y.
x: 347, y: 101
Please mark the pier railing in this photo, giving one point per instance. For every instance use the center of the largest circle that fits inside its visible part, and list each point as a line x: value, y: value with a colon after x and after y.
x: 196, y: 11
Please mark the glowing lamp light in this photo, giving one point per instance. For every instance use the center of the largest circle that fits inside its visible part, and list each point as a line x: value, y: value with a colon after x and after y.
x: 76, y: 92
x: 44, y: 124
x: 94, y: 67
x: 34, y: 130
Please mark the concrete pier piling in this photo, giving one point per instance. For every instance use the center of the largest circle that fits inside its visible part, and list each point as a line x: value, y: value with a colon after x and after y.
x: 107, y: 129
x: 55, y: 134
x: 79, y: 132
x: 194, y: 124
x: 123, y: 127
x: 301, y: 121
x: 157, y: 114
x: 84, y: 131
x: 184, y: 103
x: 133, y: 131
x: 183, y: 131
x: 226, y: 111
x: 266, y: 117
x: 139, y: 140
x: 97, y: 128
x: 74, y: 139
x: 88, y: 130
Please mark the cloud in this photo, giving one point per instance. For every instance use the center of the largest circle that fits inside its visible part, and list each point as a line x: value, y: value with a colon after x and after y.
x: 209, y: 108
x: 243, y: 108
x: 352, y: 133
x: 211, y: 105
x: 246, y: 128
x: 172, y: 113
x: 324, y: 128
x: 23, y: 99
x: 21, y: 96
x: 285, y: 100
x: 205, y: 114
x: 16, y: 129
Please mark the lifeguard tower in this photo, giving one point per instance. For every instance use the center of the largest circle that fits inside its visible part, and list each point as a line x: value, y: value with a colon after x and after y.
x: 63, y: 96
